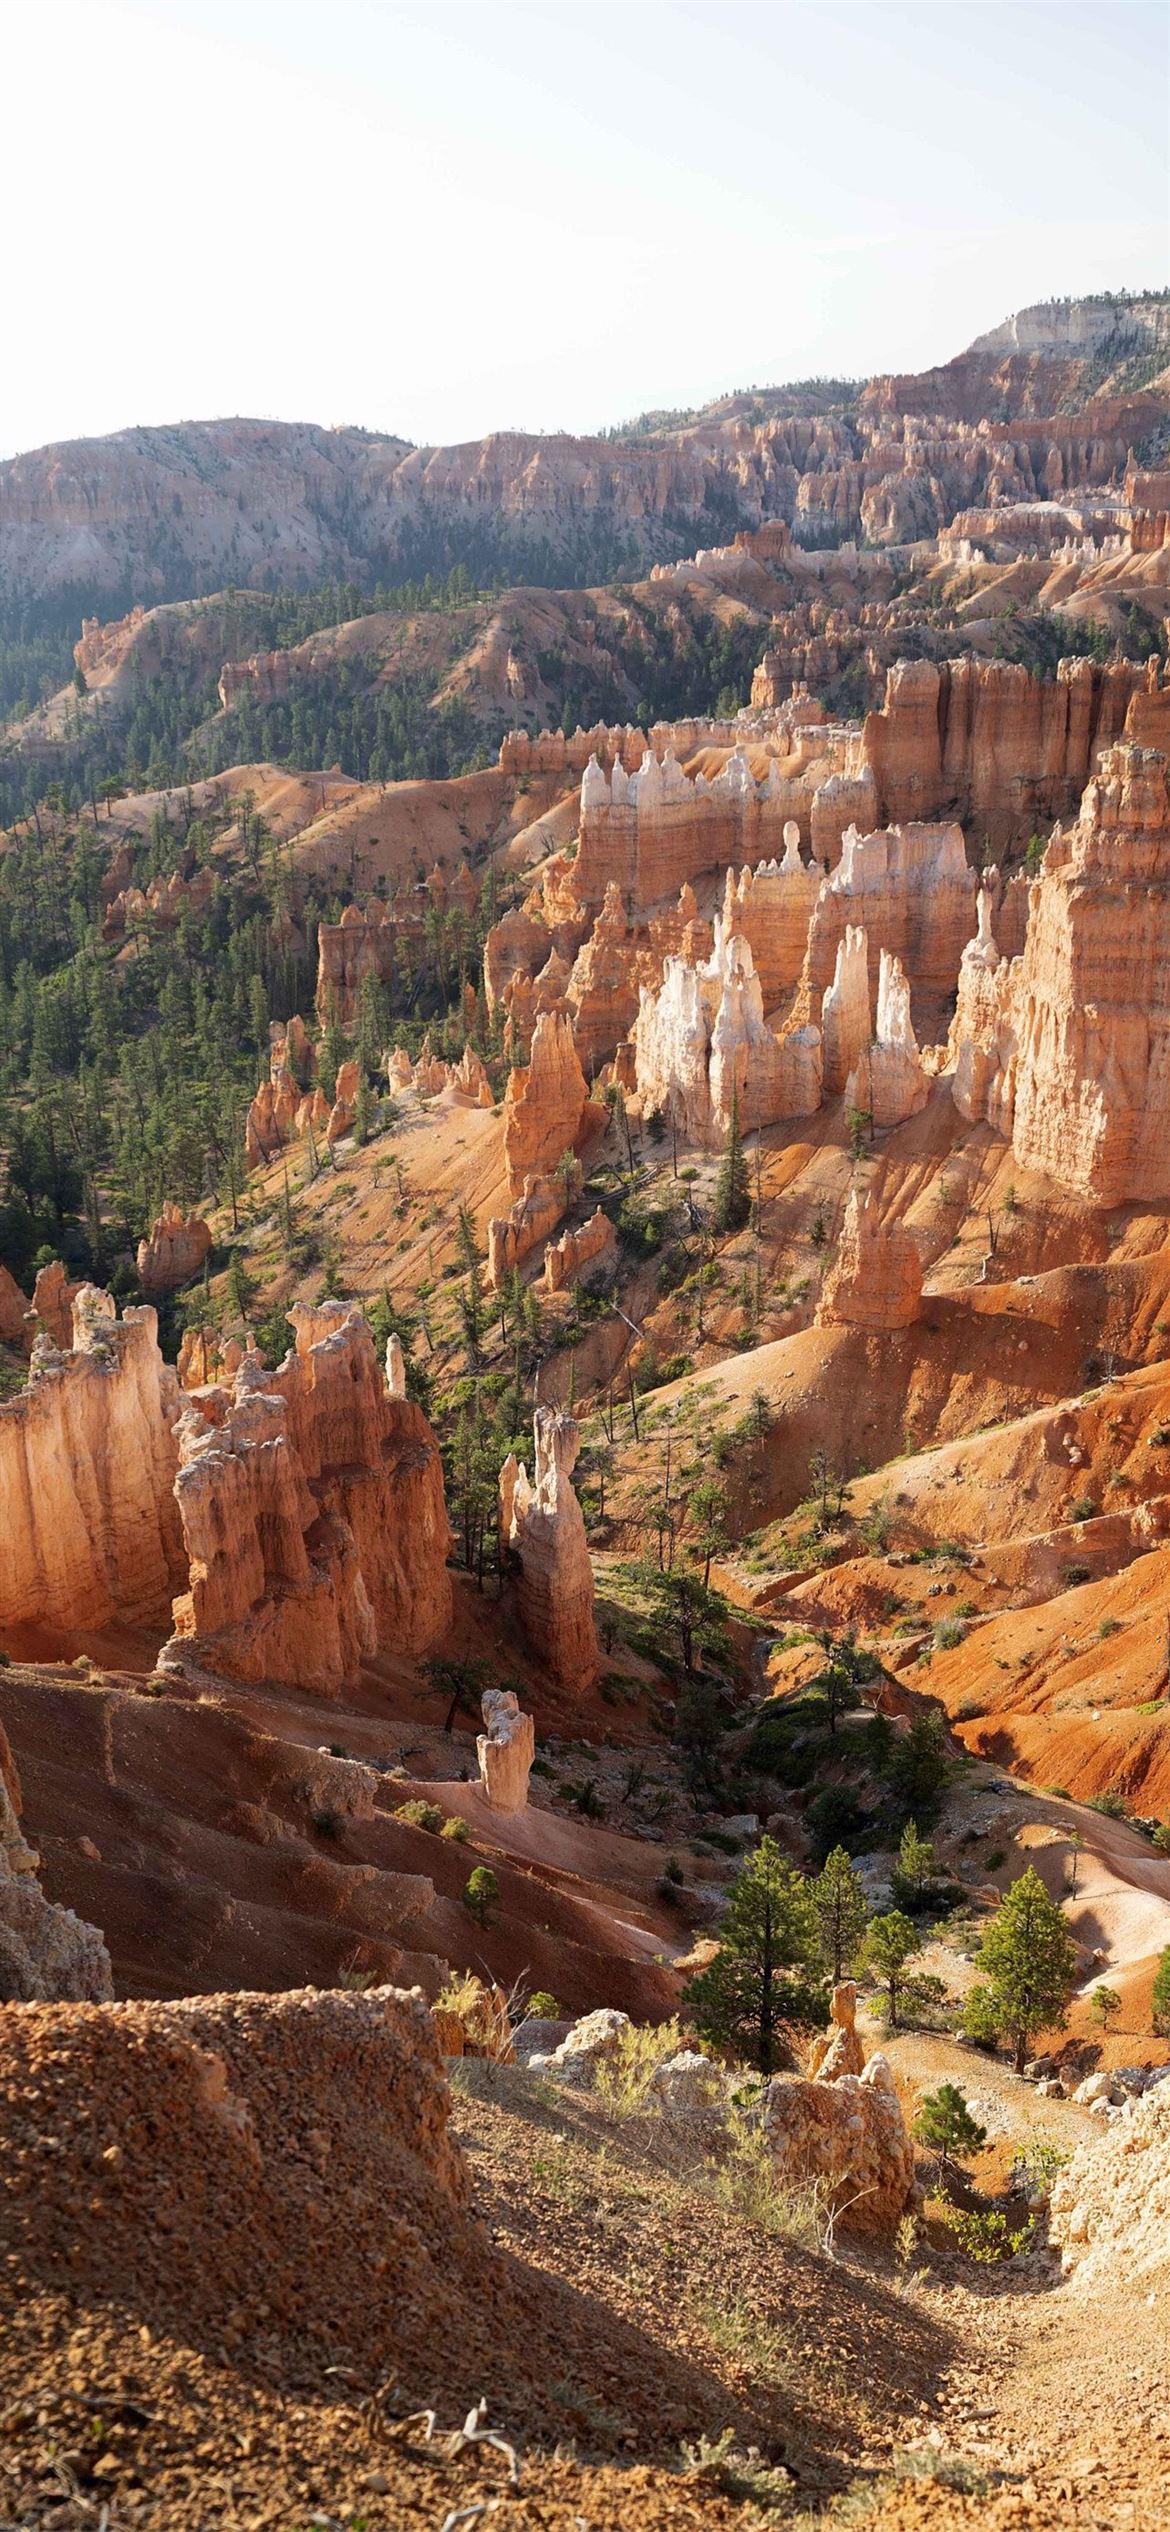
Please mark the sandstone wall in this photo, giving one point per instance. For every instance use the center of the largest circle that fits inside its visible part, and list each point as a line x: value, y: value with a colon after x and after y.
x: 912, y: 891
x: 175, y: 1251
x: 87, y: 1461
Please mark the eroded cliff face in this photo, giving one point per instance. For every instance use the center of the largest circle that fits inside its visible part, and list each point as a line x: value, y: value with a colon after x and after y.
x: 984, y: 741
x: 542, y: 1521
x: 87, y: 1463
x: 313, y: 1516
x: 45, y: 1952
x: 1066, y: 1049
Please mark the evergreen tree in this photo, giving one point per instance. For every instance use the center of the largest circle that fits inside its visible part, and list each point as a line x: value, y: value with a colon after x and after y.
x: 733, y: 1195
x: 946, y: 2124
x: 766, y: 1971
x: 889, y: 1944
x: 914, y: 1872
x: 1104, y: 2003
x: 842, y: 1914
x: 481, y: 1897
x: 1029, y: 1963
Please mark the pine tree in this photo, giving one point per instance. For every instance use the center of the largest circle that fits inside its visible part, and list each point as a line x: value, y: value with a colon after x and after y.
x: 766, y: 1969
x: 915, y: 1869
x: 1029, y: 1963
x: 733, y: 1196
x: 889, y: 1944
x: 945, y: 2123
x: 842, y: 1914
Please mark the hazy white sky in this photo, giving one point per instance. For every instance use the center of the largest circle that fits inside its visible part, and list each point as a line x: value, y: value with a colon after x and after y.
x: 443, y: 220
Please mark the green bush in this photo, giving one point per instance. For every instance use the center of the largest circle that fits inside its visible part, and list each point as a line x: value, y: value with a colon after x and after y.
x: 420, y: 1815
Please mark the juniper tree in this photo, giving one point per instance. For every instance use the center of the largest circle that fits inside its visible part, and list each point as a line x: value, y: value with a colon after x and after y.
x: 946, y: 2124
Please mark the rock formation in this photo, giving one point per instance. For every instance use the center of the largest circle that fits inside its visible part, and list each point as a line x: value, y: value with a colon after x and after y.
x: 846, y: 1025
x: 286, y: 1103
x: 1066, y: 1049
x: 45, y: 1952
x: 52, y: 1303
x: 875, y: 1280
x: 771, y: 908
x: 848, y: 2133
x: 912, y: 891
x: 1110, y: 2206
x: 985, y: 741
x: 702, y: 1041
x: 505, y: 1749
x: 541, y: 1519
x: 567, y: 1258
x: 889, y: 1083
x: 87, y: 1463
x: 547, y: 1113
x: 313, y: 1516
x: 546, y: 1106
x: 14, y: 1311
x: 175, y: 1251
x: 838, y: 2051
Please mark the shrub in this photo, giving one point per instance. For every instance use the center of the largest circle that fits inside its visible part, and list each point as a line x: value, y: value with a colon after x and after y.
x: 420, y: 1815
x: 455, y: 1828
x: 992, y: 1862
x: 542, y: 2006
x: 1109, y: 1626
x: 948, y: 1633
x: 1084, y: 1509
x: 624, y: 2079
x: 988, y: 2237
x: 481, y: 1897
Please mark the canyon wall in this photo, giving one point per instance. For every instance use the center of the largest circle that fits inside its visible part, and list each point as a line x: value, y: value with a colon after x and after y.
x: 986, y: 742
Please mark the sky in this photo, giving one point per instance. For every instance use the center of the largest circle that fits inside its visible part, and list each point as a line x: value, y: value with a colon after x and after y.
x: 550, y: 214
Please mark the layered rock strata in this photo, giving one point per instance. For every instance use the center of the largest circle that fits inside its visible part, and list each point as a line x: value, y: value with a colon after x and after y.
x: 985, y: 741
x: 702, y: 1044
x: 912, y: 891
x: 313, y: 1516
x: 541, y: 1520
x: 595, y: 1244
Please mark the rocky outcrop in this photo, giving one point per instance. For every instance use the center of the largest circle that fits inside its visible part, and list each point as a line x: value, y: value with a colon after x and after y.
x: 647, y: 833
x: 175, y: 1252
x: 505, y: 1749
x: 848, y: 2134
x: 889, y: 1082
x: 771, y: 908
x: 875, y: 1281
x: 286, y: 1104
x: 87, y: 1463
x: 570, y: 1256
x: 313, y: 1516
x: 1110, y: 2206
x: 206, y: 1358
x: 541, y: 1520
x: 1066, y: 1049
x: 45, y: 1952
x: 512, y: 1236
